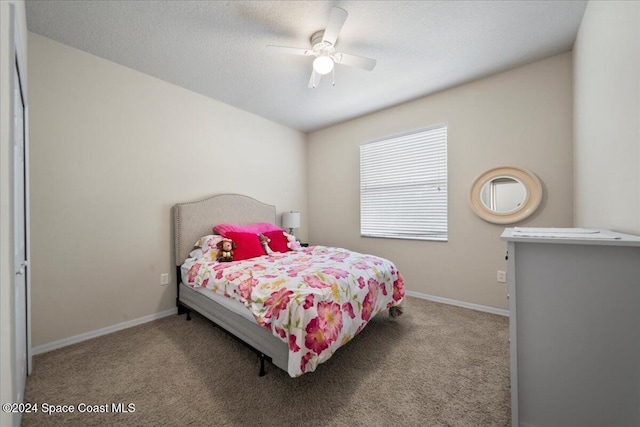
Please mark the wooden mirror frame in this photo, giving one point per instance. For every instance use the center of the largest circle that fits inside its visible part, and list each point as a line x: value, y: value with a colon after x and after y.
x: 532, y: 200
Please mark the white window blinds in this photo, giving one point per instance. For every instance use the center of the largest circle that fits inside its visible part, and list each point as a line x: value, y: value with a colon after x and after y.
x: 403, y: 186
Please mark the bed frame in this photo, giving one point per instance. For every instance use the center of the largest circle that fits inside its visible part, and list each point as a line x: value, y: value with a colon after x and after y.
x: 192, y: 221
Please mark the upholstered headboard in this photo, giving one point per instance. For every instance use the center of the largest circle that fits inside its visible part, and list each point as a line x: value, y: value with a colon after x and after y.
x: 196, y: 219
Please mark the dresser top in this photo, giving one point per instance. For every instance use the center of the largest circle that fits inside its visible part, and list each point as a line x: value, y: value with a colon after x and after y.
x: 572, y: 236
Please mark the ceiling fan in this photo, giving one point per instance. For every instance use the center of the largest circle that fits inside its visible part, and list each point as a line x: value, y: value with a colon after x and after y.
x: 323, y: 49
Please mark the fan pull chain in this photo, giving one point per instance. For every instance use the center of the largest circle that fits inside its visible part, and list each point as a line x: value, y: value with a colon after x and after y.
x: 333, y: 74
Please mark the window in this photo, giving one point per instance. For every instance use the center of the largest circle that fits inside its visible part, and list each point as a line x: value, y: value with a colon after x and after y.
x: 403, y: 186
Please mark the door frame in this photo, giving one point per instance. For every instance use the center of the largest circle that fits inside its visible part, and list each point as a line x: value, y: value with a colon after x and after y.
x: 17, y: 59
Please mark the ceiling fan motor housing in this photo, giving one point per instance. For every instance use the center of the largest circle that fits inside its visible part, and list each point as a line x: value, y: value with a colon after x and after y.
x: 316, y: 38
x: 322, y: 48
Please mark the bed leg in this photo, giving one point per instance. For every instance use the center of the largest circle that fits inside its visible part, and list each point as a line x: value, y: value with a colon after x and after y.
x: 262, y: 357
x: 182, y: 310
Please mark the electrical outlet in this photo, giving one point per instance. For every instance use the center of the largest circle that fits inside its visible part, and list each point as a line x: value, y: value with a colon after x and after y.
x: 164, y: 279
x: 502, y: 276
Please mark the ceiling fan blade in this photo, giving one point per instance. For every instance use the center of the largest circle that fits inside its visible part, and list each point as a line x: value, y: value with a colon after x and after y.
x: 356, y: 61
x: 336, y: 21
x: 314, y: 81
x: 289, y: 50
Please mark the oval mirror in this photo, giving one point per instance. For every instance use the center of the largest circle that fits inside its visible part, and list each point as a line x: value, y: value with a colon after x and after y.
x: 505, y: 195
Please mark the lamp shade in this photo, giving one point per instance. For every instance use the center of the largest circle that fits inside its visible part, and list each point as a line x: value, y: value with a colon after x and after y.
x: 291, y: 220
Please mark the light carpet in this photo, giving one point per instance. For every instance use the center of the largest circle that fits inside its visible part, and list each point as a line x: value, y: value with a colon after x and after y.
x: 437, y: 365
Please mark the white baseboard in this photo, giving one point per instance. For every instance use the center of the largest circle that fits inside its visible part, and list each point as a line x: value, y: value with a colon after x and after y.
x: 43, y: 348
x: 472, y: 306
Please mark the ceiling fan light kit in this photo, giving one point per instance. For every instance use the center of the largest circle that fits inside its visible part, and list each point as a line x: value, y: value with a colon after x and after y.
x: 323, y: 48
x: 323, y: 65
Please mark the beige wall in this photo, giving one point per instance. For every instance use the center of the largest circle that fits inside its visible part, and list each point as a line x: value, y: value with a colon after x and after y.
x: 521, y: 117
x: 112, y: 150
x: 607, y: 117
x: 7, y: 324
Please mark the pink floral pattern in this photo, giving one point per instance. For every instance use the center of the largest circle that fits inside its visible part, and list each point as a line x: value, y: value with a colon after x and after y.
x: 193, y: 271
x: 315, y: 299
x: 369, y: 302
x: 348, y: 308
x: 277, y: 302
x: 293, y: 346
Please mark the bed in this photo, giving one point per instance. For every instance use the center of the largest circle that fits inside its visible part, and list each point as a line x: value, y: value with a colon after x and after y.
x: 295, y: 308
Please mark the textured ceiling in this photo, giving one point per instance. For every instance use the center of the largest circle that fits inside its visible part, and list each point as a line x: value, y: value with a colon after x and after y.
x: 218, y: 48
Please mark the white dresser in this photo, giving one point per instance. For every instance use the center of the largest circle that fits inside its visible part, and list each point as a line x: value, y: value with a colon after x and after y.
x: 574, y: 318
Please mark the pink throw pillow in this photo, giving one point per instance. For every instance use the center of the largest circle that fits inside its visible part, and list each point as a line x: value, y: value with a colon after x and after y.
x: 247, y: 245
x: 257, y: 228
x: 278, y: 241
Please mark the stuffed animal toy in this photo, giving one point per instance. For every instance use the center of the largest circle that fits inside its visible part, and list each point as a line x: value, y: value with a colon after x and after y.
x: 264, y: 240
x: 292, y: 243
x: 225, y: 250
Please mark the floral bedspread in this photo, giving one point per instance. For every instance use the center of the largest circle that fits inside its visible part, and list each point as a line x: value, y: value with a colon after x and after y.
x: 315, y: 299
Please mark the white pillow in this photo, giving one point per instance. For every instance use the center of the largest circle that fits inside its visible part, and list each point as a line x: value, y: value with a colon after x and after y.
x: 205, y: 245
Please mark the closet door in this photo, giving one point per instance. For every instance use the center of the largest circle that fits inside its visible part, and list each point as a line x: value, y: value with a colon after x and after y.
x: 19, y: 147
x: 20, y: 234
